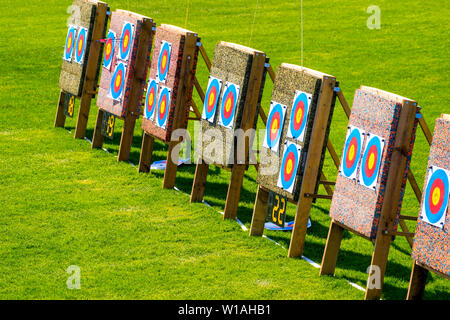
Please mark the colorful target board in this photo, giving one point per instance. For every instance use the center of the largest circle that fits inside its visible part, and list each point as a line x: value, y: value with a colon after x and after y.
x: 70, y: 43
x: 82, y: 59
x: 162, y: 113
x: 163, y: 61
x: 126, y: 41
x: 352, y: 152
x: 289, y: 166
x: 151, y: 99
x: 371, y: 161
x: 109, y: 49
x: 436, y: 197
x: 228, y: 105
x: 211, y: 99
x: 122, y: 83
x: 275, y: 124
x: 299, y: 115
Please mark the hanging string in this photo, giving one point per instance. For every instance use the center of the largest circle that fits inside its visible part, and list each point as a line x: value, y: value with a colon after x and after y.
x: 187, y: 15
x: 253, y: 24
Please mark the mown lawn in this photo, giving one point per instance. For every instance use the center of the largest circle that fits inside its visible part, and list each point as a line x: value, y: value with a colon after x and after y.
x: 64, y: 204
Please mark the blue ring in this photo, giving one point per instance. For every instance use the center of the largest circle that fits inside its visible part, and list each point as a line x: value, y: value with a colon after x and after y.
x: 164, y: 92
x: 227, y: 121
x: 349, y: 171
x: 214, y: 83
x: 124, y: 55
x: 366, y: 180
x: 107, y: 63
x: 152, y: 84
x: 276, y: 109
x: 71, y: 30
x: 433, y: 218
x: 287, y: 184
x: 120, y: 66
x: 78, y: 58
x: 162, y: 76
x: 304, y: 98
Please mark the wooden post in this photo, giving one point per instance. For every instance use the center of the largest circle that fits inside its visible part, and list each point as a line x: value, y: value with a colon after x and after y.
x: 92, y: 69
x: 145, y: 159
x: 259, y: 212
x: 311, y: 172
x: 60, y: 118
x: 392, y: 195
x: 331, y: 252
x: 417, y: 282
x: 97, y: 138
x: 126, y: 139
x: 198, y: 186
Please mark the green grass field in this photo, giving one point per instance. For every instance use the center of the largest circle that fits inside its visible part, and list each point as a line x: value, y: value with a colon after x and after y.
x: 64, y: 204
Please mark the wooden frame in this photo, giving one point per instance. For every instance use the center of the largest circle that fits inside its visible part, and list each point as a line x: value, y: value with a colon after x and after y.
x: 310, y: 175
x: 186, y: 81
x: 384, y: 235
x: 139, y: 77
x: 91, y: 75
x: 238, y: 169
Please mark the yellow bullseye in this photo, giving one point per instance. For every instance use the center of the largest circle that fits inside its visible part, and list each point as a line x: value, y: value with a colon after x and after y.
x: 108, y: 49
x: 274, y: 126
x: 351, y: 153
x: 299, y: 115
x: 118, y: 80
x: 164, y: 62
x: 289, y: 166
x: 80, y: 45
x: 69, y: 42
x: 371, y: 161
x: 163, y: 107
x: 436, y: 196
x: 228, y: 105
x: 150, y: 98
x: 211, y: 99
x: 125, y: 41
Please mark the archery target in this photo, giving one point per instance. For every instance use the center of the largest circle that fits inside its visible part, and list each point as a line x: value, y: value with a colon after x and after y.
x: 117, y: 86
x: 163, y: 61
x: 229, y: 104
x: 289, y: 166
x: 371, y: 161
x: 211, y: 99
x: 274, y: 127
x: 162, y: 113
x: 109, y: 49
x: 299, y: 115
x: 70, y: 43
x: 80, y: 47
x: 151, y: 99
x: 435, y: 203
x: 126, y: 41
x: 352, y: 152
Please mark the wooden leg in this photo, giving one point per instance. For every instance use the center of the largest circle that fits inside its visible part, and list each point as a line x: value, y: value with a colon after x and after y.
x: 170, y: 174
x: 378, y: 267
x: 60, y: 118
x: 259, y: 213
x: 331, y: 252
x: 146, y: 152
x: 126, y: 139
x: 198, y: 186
x: 83, y: 115
x: 300, y: 226
x: 97, y: 138
x: 417, y: 282
x: 404, y: 227
x: 234, y: 191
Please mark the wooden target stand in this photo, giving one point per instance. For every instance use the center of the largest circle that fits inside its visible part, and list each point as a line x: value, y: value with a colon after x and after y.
x: 170, y: 173
x: 90, y: 78
x: 139, y: 77
x: 311, y: 174
x: 384, y: 235
x: 238, y: 169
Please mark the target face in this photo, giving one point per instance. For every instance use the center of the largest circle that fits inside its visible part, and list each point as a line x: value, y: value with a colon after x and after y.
x: 109, y: 49
x: 163, y: 61
x: 289, y: 166
x: 151, y: 99
x: 211, y: 99
x: 70, y: 43
x: 80, y: 46
x: 352, y: 152
x: 435, y: 203
x: 275, y: 122
x: 299, y: 115
x: 371, y: 161
x: 228, y: 106
x: 117, y: 86
x: 163, y: 107
x: 126, y: 41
